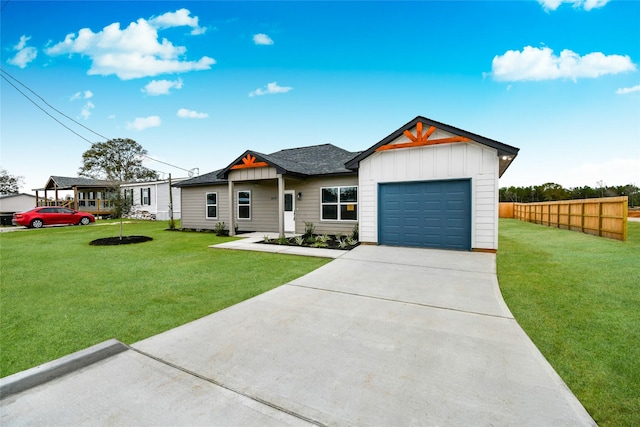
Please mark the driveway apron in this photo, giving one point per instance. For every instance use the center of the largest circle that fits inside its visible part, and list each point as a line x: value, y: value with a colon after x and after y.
x: 378, y: 337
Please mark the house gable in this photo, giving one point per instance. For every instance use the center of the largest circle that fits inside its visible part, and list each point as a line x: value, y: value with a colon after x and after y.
x: 422, y: 131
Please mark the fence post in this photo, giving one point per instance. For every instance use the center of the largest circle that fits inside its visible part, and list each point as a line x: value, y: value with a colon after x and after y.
x: 600, y: 219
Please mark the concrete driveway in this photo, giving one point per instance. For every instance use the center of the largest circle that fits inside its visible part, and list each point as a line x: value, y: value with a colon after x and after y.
x: 378, y: 337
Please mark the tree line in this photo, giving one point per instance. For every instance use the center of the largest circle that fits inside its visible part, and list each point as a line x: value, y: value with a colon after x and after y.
x: 552, y: 192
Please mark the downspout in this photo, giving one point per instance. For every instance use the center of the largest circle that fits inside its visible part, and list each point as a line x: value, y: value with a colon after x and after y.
x: 280, y: 206
x: 232, y: 229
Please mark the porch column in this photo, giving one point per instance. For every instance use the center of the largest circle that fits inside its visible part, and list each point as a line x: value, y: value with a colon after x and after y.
x: 37, y: 199
x: 280, y: 205
x: 232, y: 229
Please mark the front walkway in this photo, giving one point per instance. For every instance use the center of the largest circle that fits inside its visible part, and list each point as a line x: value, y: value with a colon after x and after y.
x: 378, y: 337
x: 251, y: 242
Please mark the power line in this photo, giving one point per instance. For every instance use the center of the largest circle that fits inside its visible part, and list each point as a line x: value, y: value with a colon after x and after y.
x: 51, y: 106
x: 44, y: 111
x: 69, y: 118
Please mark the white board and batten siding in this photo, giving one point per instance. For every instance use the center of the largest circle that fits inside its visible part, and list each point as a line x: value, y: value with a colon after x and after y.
x: 468, y: 160
x: 159, y: 195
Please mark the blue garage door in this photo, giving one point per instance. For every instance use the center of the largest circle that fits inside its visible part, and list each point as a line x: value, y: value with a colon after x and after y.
x: 430, y: 214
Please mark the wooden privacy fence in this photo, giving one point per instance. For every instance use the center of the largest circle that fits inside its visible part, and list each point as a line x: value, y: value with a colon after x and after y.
x: 606, y: 217
x: 505, y: 210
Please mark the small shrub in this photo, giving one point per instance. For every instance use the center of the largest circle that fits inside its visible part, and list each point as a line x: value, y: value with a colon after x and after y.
x: 299, y: 240
x: 324, y: 238
x: 309, y: 229
x: 343, y: 244
x: 221, y: 229
x: 266, y: 238
x: 319, y: 244
x: 282, y: 240
x: 355, y: 234
x: 351, y: 241
x: 338, y: 236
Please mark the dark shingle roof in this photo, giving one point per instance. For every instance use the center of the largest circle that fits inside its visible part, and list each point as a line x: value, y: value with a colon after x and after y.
x: 205, y: 179
x: 325, y: 159
x: 67, y: 183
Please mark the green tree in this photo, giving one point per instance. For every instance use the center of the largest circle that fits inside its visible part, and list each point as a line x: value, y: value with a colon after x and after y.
x: 118, y: 160
x: 9, y: 184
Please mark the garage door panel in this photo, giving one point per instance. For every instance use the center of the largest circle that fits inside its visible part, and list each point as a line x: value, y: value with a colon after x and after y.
x: 426, y: 214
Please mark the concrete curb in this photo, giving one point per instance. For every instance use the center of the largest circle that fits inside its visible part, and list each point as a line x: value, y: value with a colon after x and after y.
x: 56, y: 368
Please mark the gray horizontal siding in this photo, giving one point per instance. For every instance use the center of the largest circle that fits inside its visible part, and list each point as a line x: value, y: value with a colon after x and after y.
x: 308, y: 207
x: 194, y: 202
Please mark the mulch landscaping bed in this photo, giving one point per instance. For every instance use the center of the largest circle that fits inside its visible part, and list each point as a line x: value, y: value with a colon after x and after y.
x: 125, y: 240
x: 315, y: 241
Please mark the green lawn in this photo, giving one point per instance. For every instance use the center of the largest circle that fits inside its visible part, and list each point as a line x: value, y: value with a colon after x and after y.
x: 58, y: 294
x: 578, y: 298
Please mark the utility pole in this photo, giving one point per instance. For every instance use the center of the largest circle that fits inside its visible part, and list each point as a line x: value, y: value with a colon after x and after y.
x: 172, y: 224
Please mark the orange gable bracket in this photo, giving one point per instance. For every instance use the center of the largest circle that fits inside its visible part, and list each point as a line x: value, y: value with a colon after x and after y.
x: 249, y: 161
x: 420, y: 140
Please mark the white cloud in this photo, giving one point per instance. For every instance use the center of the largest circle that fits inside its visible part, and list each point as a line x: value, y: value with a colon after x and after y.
x: 626, y: 90
x: 179, y: 18
x: 161, y: 87
x: 24, y: 54
x: 541, y: 64
x: 262, y: 39
x: 135, y: 51
x: 189, y: 114
x: 142, y: 123
x: 81, y: 95
x: 587, y: 5
x: 270, y: 89
x: 613, y: 172
x: 86, y: 110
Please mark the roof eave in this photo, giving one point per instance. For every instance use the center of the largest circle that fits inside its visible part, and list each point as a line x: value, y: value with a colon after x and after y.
x: 501, y: 148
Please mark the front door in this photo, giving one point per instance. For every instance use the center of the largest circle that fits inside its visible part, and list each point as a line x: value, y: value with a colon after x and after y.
x: 289, y: 211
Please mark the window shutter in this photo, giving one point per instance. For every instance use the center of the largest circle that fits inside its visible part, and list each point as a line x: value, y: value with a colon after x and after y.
x: 149, y: 190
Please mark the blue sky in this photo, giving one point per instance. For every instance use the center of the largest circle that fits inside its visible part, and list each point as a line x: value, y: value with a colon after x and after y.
x: 197, y: 83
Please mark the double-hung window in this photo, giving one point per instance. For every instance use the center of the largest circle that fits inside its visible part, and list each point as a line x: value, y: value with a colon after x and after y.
x: 244, y: 204
x: 339, y: 203
x: 145, y: 196
x: 212, y: 205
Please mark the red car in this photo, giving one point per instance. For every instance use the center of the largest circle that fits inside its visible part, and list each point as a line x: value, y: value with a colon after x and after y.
x: 51, y: 215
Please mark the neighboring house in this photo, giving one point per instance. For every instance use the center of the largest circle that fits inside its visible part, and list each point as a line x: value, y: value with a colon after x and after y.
x: 427, y: 184
x: 153, y: 198
x: 12, y: 203
x: 89, y: 195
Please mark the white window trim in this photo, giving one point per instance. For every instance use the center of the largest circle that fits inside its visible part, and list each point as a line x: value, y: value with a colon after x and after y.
x: 238, y: 205
x: 142, y: 196
x: 206, y: 205
x: 339, y: 204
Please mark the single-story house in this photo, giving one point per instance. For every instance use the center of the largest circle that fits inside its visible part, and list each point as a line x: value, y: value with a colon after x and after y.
x: 12, y: 203
x: 19, y: 202
x: 152, y: 197
x: 89, y: 195
x: 427, y: 184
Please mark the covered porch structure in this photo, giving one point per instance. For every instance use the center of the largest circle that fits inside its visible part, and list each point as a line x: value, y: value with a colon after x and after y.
x: 82, y: 194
